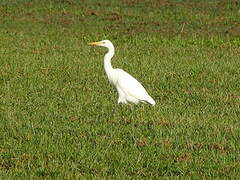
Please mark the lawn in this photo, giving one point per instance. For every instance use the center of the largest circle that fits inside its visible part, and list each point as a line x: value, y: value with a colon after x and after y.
x: 59, y: 117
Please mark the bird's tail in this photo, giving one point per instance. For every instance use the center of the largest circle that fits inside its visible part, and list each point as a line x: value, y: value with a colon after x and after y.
x: 150, y: 100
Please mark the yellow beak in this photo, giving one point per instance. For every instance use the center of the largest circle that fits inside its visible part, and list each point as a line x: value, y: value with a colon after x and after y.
x: 95, y: 43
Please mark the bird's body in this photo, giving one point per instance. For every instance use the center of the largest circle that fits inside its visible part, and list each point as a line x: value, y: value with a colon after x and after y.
x: 128, y: 88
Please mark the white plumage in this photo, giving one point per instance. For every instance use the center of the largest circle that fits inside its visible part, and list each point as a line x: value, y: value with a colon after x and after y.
x: 128, y: 88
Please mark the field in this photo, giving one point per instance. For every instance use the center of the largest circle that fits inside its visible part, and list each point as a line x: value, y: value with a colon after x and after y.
x: 59, y: 117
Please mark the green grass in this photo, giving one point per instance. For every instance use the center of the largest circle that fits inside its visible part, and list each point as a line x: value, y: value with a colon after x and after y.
x: 59, y: 116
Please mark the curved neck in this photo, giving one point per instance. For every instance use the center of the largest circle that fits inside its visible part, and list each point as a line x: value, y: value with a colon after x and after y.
x: 107, y: 61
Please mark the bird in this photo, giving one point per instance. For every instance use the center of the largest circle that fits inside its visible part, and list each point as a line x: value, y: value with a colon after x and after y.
x: 129, y: 89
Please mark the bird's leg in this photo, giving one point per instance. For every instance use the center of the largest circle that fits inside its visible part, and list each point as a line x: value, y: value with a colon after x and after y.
x: 121, y: 101
x: 121, y: 96
x: 130, y: 107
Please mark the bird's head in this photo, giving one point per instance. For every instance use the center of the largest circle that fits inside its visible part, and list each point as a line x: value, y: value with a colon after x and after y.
x: 104, y: 43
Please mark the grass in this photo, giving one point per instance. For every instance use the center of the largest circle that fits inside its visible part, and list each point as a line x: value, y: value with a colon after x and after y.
x: 59, y: 115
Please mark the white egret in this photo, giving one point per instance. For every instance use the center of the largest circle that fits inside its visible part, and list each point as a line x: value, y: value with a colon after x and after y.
x: 128, y: 88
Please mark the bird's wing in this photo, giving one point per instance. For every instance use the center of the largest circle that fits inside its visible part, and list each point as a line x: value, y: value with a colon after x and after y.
x: 130, y: 85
